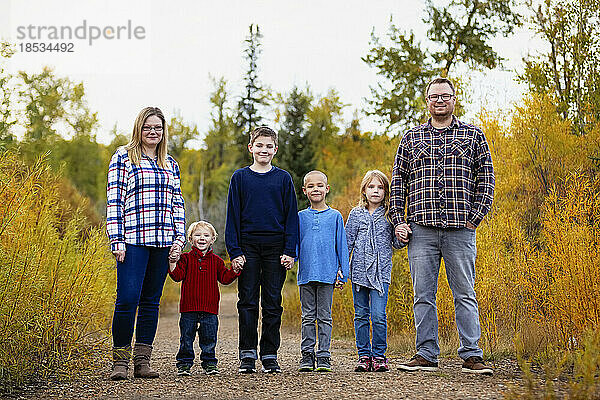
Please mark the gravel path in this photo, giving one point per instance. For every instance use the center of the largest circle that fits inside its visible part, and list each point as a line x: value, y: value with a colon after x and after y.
x: 447, y: 383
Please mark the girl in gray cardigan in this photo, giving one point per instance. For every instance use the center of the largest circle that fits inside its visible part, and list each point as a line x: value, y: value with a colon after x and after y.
x: 370, y: 237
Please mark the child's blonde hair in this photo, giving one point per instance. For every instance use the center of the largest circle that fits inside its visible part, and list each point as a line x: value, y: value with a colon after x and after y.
x: 369, y: 176
x: 201, y: 224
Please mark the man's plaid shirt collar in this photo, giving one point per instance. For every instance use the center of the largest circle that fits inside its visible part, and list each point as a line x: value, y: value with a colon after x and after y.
x: 442, y: 177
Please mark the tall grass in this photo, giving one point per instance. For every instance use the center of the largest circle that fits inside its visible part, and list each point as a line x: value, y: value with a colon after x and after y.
x: 57, y: 279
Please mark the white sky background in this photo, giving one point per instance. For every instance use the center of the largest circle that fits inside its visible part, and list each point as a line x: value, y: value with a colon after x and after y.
x: 319, y: 43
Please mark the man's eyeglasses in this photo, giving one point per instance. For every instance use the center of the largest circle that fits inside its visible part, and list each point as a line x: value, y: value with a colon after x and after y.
x: 435, y: 97
x: 148, y: 128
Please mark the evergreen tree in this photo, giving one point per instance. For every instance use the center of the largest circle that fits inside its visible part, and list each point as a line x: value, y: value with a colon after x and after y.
x: 296, y: 152
x: 254, y: 97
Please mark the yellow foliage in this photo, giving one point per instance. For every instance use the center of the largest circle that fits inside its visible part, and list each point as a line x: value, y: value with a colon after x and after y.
x: 537, y: 267
x: 57, y: 281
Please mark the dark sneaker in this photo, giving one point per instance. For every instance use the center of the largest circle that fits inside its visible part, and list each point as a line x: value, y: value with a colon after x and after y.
x: 247, y: 366
x: 364, y: 364
x: 418, y: 363
x: 475, y: 365
x: 307, y: 362
x: 323, y: 364
x: 270, y: 366
x: 380, y: 364
x: 184, y: 370
x: 211, y: 369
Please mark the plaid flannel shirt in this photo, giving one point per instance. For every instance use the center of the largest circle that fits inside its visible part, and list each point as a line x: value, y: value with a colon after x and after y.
x: 144, y: 203
x: 446, y: 176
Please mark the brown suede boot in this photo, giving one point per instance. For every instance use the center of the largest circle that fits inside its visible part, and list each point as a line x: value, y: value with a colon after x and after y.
x: 121, y: 357
x: 141, y: 361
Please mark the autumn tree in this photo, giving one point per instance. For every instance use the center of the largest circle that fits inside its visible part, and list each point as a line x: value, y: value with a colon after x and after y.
x: 7, y: 114
x: 569, y: 67
x: 459, y: 33
x: 219, y: 160
x: 179, y: 134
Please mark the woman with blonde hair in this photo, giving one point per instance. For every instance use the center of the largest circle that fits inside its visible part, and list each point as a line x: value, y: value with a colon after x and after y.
x: 145, y: 222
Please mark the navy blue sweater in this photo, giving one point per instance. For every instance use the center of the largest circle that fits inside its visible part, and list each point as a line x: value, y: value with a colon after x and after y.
x: 261, y: 208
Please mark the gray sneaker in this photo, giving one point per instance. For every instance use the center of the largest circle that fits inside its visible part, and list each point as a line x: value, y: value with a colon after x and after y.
x: 307, y: 362
x: 323, y: 364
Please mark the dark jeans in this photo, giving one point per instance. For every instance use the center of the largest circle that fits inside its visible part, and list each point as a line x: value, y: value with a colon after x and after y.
x: 140, y: 280
x: 207, y: 325
x: 263, y: 275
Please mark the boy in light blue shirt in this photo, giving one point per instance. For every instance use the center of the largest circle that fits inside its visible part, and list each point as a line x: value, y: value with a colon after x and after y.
x: 322, y: 265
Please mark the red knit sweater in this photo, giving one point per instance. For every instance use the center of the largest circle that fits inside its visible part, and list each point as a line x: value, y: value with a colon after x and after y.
x: 200, y: 273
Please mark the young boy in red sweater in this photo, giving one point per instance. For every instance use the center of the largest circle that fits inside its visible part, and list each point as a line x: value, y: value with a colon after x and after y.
x: 199, y: 269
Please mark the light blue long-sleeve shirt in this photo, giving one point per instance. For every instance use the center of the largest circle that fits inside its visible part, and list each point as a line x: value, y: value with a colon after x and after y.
x: 322, y: 247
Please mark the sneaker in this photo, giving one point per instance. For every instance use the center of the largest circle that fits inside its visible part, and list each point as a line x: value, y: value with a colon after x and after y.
x: 364, y: 364
x: 307, y: 362
x: 211, y: 369
x: 270, y: 366
x: 475, y: 365
x: 247, y: 366
x: 184, y: 370
x: 380, y: 364
x: 418, y: 363
x: 323, y: 364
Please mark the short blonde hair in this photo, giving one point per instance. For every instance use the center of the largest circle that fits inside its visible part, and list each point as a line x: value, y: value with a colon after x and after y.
x: 369, y: 176
x: 201, y: 224
x: 315, y: 172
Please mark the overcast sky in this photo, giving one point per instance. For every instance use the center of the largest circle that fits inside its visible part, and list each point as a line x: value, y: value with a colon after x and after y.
x: 319, y: 43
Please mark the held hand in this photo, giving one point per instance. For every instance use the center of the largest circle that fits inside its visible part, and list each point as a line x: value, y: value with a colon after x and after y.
x: 338, y: 281
x: 403, y: 232
x: 287, y: 262
x: 119, y: 255
x: 470, y: 226
x: 173, y: 258
x: 238, y: 263
x: 174, y: 252
x: 172, y: 265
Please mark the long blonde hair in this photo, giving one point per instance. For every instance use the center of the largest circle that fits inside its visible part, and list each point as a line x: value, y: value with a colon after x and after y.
x: 134, y: 147
x: 369, y: 176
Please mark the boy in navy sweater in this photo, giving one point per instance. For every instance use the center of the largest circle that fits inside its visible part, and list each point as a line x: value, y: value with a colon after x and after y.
x: 261, y: 234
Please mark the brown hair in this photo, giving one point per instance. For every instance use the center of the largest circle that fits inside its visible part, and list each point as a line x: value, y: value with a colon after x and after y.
x: 134, y: 147
x: 369, y: 176
x: 440, y: 80
x: 263, y: 131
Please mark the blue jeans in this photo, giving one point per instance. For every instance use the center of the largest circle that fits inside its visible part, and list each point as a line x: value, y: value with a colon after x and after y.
x: 426, y: 248
x: 206, y: 325
x: 140, y: 280
x: 369, y: 304
x: 263, y: 276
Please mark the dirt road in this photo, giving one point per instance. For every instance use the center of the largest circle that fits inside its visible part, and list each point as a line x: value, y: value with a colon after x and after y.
x: 447, y: 383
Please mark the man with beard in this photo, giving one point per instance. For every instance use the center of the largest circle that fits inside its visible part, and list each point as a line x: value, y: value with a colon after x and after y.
x: 442, y: 187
